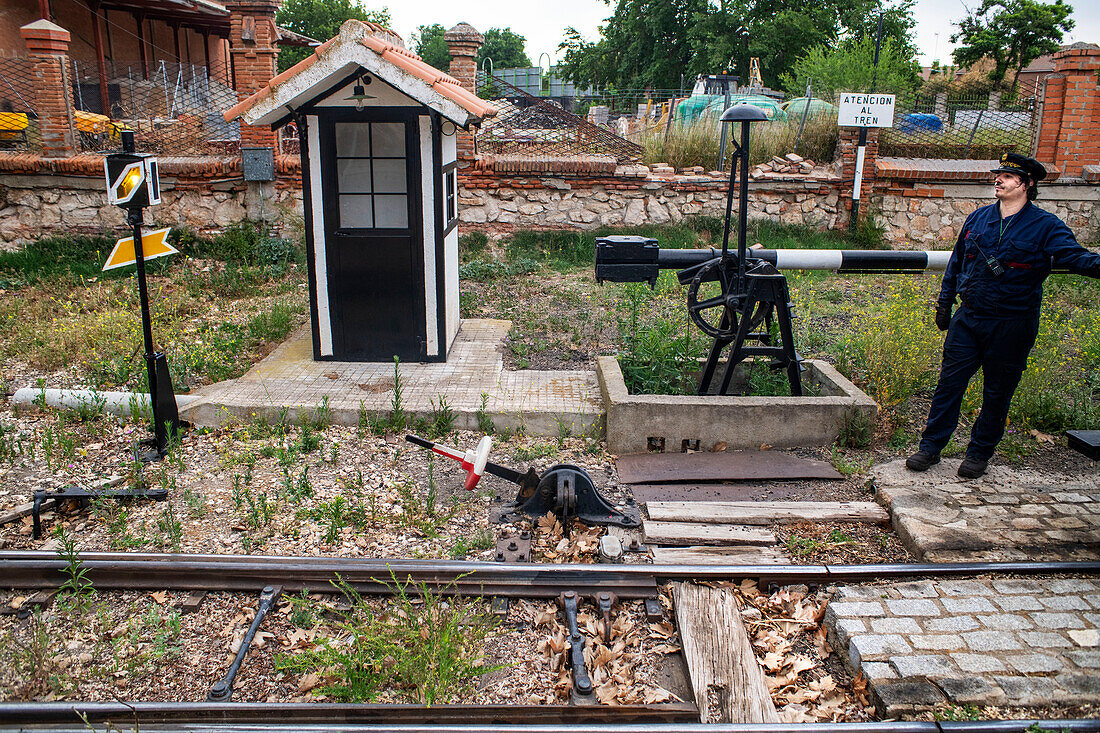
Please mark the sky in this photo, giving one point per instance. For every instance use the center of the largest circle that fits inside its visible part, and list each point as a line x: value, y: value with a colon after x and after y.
x: 543, y: 22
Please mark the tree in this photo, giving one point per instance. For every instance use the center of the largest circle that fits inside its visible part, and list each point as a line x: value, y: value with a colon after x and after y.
x: 429, y: 45
x: 320, y: 20
x: 652, y: 42
x: 1012, y: 33
x: 851, y: 68
x: 505, y: 49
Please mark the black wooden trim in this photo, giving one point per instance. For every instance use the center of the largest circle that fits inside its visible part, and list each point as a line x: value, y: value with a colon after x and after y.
x: 311, y: 265
x: 409, y: 116
x: 440, y: 237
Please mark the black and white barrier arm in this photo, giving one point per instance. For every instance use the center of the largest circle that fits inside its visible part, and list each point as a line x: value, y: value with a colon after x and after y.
x: 639, y: 259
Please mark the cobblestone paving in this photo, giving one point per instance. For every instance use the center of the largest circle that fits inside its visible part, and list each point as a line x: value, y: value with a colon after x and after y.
x: 1018, y: 641
x: 1008, y: 514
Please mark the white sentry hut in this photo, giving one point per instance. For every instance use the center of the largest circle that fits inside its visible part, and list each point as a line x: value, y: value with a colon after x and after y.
x: 378, y: 141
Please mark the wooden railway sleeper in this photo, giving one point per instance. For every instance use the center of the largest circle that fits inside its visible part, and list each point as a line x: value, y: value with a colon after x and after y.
x: 222, y: 691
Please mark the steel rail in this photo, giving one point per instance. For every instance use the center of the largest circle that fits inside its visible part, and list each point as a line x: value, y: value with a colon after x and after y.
x: 36, y: 569
x: 319, y: 717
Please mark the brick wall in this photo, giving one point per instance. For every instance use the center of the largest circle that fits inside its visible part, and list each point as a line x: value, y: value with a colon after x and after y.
x: 1068, y: 136
x: 846, y: 153
x: 253, y: 49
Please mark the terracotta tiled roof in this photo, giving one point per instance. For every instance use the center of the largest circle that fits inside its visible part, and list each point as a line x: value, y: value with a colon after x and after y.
x: 445, y: 85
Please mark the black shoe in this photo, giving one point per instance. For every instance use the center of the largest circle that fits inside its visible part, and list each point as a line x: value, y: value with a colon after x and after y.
x: 922, y: 461
x: 972, y: 467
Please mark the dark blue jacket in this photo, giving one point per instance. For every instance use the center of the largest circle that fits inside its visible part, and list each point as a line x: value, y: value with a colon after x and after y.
x: 1032, y: 240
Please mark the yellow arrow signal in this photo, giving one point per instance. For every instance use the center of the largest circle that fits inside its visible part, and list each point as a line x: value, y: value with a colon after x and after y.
x: 153, y: 244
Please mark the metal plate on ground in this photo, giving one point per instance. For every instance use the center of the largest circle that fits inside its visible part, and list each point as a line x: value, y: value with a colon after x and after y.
x: 1085, y: 441
x: 714, y: 492
x: 650, y: 468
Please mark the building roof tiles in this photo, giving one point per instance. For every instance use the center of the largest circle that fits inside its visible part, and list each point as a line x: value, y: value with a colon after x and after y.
x: 394, y: 54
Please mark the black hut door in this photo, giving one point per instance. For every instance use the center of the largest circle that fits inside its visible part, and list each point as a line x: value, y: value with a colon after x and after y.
x: 373, y: 231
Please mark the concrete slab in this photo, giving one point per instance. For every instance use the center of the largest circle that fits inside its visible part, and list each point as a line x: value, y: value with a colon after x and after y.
x: 948, y: 648
x: 672, y: 423
x: 1009, y: 514
x: 542, y: 402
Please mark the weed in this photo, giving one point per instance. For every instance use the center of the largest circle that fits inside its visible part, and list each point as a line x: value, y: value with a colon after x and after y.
x: 303, y: 489
x: 856, y: 429
x: 398, y: 417
x: 170, y: 528
x: 849, y: 466
x: 260, y: 510
x: 25, y: 652
x: 308, y: 440
x: 425, y: 648
x: 803, y: 546
x: 196, y: 503
x: 534, y: 451
x: 92, y: 408
x: 76, y: 589
x: 481, y: 541
x: 302, y: 613
x: 958, y: 712
x: 442, y: 419
x: 484, y: 420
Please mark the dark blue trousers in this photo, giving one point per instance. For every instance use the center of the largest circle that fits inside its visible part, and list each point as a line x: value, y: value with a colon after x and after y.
x: 999, y: 347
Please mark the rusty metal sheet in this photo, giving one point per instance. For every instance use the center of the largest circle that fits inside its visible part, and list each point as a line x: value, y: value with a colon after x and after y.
x: 715, y: 492
x: 653, y: 468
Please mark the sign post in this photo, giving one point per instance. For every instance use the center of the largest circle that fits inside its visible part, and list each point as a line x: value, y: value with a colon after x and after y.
x: 863, y: 111
x: 133, y: 183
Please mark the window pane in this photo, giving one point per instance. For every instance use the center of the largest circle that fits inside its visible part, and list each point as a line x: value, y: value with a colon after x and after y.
x: 353, y: 175
x: 352, y: 138
x: 355, y: 212
x: 389, y: 176
x: 389, y: 139
x: 392, y: 211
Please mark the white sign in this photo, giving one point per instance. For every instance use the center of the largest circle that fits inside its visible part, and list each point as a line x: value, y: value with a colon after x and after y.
x: 866, y: 110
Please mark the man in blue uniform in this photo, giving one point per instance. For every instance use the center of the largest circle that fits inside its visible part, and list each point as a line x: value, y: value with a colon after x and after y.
x: 1004, y: 253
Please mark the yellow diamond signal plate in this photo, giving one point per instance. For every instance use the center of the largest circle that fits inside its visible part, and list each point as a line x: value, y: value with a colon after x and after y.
x: 153, y: 244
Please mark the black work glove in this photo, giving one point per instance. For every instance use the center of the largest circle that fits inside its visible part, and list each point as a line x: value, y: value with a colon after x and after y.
x: 943, y: 317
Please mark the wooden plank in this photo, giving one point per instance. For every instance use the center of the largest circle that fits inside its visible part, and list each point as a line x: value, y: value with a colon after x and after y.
x: 690, y: 533
x: 192, y: 601
x: 648, y: 468
x: 758, y: 512
x: 729, y: 686
x: 719, y: 556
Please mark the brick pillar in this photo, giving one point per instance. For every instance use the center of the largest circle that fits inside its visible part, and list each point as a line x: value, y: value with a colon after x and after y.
x: 1050, y: 120
x: 1071, y: 110
x: 464, y: 41
x: 48, y: 46
x: 846, y: 149
x: 253, y: 50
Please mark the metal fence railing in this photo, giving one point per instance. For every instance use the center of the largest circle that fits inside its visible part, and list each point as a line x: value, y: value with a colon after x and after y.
x: 534, y: 126
x: 18, y: 120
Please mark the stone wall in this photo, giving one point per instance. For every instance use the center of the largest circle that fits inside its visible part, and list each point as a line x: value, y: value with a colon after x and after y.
x: 65, y: 202
x: 929, y: 215
x: 501, y: 204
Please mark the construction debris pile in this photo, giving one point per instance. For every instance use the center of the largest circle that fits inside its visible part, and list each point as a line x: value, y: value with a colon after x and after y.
x: 789, y: 163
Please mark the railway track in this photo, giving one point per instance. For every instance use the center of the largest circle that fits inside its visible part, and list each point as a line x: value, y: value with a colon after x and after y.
x: 154, y: 571
x: 133, y: 571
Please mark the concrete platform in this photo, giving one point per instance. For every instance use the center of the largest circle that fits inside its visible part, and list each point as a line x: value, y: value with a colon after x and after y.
x: 542, y: 402
x: 1007, y: 515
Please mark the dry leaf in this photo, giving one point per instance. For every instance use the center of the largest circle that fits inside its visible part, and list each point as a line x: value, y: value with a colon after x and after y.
x: 718, y: 447
x: 308, y: 682
x: 161, y: 596
x: 1042, y: 437
x: 332, y: 375
x: 765, y: 446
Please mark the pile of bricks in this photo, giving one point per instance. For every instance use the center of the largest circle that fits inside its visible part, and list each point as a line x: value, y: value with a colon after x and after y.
x: 789, y: 163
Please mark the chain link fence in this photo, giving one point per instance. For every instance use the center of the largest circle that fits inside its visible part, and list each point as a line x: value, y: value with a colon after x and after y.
x: 18, y: 120
x: 537, y: 127
x: 960, y: 126
x: 173, y: 108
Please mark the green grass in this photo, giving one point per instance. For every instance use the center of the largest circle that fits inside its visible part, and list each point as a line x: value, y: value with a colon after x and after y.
x: 426, y: 649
